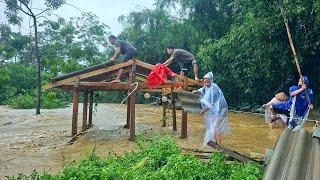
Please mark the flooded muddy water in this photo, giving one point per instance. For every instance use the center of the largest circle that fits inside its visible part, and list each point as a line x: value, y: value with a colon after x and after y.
x: 29, y: 141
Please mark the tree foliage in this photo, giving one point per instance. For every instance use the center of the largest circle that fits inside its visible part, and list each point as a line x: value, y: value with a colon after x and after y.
x: 244, y: 43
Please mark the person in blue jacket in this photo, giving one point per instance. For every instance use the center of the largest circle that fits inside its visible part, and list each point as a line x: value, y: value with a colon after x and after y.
x: 301, y: 102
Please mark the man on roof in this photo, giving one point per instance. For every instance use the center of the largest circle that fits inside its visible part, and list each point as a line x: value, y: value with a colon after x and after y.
x: 126, y: 50
x: 185, y: 59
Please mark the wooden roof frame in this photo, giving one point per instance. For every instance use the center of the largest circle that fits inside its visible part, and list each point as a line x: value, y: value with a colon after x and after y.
x: 69, y: 80
x: 93, y: 79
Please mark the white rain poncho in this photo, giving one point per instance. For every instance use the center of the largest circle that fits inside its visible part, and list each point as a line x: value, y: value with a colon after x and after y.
x: 216, y: 117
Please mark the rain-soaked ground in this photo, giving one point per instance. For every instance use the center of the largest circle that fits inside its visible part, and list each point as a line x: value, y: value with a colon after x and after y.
x: 29, y: 141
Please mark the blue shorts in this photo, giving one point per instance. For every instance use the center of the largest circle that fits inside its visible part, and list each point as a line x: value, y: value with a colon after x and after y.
x: 281, y: 108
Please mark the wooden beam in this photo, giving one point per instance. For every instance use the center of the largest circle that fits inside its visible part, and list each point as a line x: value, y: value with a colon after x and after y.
x: 88, y: 74
x: 90, y: 108
x: 231, y: 153
x: 75, y: 108
x: 116, y: 86
x: 140, y: 78
x: 150, y: 66
x: 133, y: 103
x: 85, y: 111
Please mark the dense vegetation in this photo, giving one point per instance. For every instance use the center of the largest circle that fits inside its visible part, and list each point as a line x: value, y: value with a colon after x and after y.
x: 157, y: 158
x: 243, y: 42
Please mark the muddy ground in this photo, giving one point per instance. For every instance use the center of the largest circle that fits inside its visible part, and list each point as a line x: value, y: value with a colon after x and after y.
x: 29, y: 141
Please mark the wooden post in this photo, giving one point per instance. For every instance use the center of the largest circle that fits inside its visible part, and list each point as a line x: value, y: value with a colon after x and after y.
x: 85, y: 111
x: 133, y: 102
x: 128, y: 102
x: 75, y: 108
x: 184, y: 126
x: 164, y: 115
x: 184, y: 122
x: 173, y: 102
x: 90, y: 108
x: 164, y: 110
x: 128, y: 113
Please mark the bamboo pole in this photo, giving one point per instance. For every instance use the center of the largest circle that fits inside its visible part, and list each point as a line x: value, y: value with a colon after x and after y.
x: 294, y: 50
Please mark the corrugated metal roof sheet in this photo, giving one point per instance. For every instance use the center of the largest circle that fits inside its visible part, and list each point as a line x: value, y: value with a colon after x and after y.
x: 296, y: 157
x: 89, y: 69
x: 189, y: 102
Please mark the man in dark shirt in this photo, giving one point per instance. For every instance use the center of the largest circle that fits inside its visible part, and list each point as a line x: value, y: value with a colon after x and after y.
x: 185, y: 59
x: 122, y: 47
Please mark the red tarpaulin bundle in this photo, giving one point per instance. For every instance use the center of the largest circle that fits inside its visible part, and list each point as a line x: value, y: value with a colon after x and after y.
x: 158, y: 75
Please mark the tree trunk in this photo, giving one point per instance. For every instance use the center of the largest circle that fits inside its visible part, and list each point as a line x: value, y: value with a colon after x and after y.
x: 37, y: 52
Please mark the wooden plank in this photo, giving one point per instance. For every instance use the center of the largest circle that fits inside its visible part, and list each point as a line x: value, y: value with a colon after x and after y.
x: 85, y: 111
x: 116, y: 86
x: 88, y: 74
x: 75, y: 108
x: 173, y: 102
x: 231, y: 153
x: 139, y: 78
x: 77, y: 73
x: 90, y: 108
x: 150, y: 66
x: 133, y: 103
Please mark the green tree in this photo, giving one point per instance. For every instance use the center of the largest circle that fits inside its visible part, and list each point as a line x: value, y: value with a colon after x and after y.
x: 13, y: 10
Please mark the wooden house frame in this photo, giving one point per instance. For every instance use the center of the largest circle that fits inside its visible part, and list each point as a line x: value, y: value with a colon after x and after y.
x: 93, y: 79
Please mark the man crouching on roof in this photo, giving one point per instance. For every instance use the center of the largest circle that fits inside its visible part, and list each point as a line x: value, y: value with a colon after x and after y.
x: 122, y: 47
x: 301, y: 102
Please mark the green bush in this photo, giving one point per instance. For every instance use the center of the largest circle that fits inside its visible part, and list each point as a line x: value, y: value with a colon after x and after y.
x: 157, y: 158
x: 51, y: 100
x: 22, y: 101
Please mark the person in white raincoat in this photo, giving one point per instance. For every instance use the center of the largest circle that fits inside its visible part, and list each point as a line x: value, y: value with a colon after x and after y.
x: 215, y: 109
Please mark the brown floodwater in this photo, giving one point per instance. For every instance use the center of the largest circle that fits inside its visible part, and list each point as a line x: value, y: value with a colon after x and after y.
x: 29, y: 141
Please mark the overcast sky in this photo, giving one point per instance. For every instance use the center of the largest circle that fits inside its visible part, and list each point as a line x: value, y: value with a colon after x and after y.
x: 108, y: 11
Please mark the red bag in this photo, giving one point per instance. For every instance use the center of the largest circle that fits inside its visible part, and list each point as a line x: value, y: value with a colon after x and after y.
x: 158, y: 75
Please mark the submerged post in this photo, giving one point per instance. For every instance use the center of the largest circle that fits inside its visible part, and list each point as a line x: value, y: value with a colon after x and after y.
x: 128, y: 103
x: 133, y: 101
x: 164, y: 109
x: 90, y: 108
x: 127, y: 126
x: 173, y: 103
x: 164, y: 115
x: 184, y: 125
x: 75, y: 107
x: 85, y: 111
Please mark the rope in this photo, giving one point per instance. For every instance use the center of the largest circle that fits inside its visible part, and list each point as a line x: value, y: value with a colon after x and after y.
x: 261, y: 114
